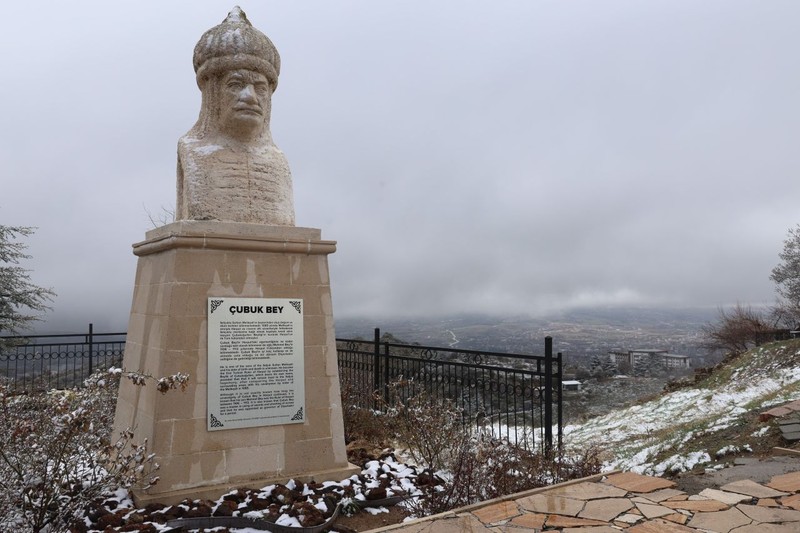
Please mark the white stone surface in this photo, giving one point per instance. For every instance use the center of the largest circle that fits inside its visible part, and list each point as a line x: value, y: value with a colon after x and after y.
x: 730, y: 498
x: 229, y: 168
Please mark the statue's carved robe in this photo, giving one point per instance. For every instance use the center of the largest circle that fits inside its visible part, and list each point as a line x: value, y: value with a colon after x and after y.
x: 233, y: 182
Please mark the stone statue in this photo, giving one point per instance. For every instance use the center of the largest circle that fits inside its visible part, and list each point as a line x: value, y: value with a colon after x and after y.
x: 229, y: 169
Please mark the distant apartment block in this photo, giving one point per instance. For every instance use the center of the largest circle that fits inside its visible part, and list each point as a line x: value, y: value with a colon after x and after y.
x: 669, y: 360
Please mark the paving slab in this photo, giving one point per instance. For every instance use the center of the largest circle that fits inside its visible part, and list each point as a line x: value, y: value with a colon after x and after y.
x: 652, y: 510
x: 570, y: 521
x: 705, y: 506
x: 792, y: 501
x: 678, y: 518
x: 731, y: 498
x: 598, y: 529
x: 419, y: 526
x: 751, y: 488
x: 606, y: 509
x: 777, y: 451
x: 548, y: 504
x: 659, y: 496
x: 453, y: 524
x: 629, y: 518
x: 739, y: 506
x: 791, y: 436
x: 793, y: 405
x: 775, y: 412
x: 770, y: 514
x: 632, y: 482
x: 679, y: 498
x: 765, y: 528
x: 659, y: 525
x: 497, y: 512
x: 529, y: 520
x: 588, y: 491
x: 720, y: 521
x: 786, y: 482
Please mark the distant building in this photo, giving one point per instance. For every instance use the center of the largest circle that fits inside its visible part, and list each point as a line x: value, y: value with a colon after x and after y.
x: 571, y: 385
x: 670, y: 360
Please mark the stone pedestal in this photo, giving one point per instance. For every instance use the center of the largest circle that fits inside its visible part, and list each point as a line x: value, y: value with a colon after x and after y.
x: 180, y: 266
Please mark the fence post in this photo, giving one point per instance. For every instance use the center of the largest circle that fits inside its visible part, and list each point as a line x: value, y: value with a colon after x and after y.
x: 559, y: 359
x: 91, y: 347
x: 548, y: 394
x: 376, y: 366
x: 386, y: 372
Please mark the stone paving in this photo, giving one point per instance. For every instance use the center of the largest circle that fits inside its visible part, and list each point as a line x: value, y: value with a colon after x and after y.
x: 629, y: 502
x: 789, y: 423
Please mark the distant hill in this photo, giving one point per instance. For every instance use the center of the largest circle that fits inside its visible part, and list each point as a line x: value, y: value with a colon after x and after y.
x: 579, y: 334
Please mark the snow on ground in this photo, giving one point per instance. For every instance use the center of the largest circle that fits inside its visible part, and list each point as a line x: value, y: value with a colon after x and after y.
x: 637, y: 434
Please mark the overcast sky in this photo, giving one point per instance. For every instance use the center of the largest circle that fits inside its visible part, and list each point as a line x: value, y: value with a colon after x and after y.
x: 510, y: 157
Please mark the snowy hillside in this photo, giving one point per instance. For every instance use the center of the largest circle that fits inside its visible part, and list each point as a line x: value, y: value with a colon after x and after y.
x: 677, y: 430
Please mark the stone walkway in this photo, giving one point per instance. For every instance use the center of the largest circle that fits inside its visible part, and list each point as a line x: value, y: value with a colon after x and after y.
x: 789, y: 423
x: 632, y: 503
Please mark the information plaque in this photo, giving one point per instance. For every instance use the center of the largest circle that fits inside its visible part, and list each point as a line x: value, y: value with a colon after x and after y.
x: 255, y: 362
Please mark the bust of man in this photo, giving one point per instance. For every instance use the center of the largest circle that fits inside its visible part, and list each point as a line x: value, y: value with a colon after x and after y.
x: 229, y: 169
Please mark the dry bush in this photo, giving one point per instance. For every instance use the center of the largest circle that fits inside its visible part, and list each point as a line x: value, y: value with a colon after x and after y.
x: 360, y: 423
x: 737, y: 330
x: 57, y: 453
x: 482, y: 468
x: 463, y: 464
x: 430, y: 428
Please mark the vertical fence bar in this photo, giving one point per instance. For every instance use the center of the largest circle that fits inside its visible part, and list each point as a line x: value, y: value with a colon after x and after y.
x: 386, y: 374
x: 516, y: 420
x: 560, y: 402
x: 91, y: 347
x: 376, y: 365
x: 548, y: 393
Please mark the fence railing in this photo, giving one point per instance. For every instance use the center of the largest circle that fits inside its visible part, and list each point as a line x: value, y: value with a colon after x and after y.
x: 514, y: 396
x: 41, y: 362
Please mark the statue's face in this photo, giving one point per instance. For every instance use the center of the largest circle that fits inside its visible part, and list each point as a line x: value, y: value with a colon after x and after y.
x: 244, y: 101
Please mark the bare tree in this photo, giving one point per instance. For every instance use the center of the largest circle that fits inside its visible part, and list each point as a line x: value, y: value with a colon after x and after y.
x: 737, y: 330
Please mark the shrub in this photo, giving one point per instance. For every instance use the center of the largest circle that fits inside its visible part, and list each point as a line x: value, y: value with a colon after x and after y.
x: 737, y: 330
x: 463, y: 464
x: 57, y: 454
x: 431, y: 429
x: 359, y: 423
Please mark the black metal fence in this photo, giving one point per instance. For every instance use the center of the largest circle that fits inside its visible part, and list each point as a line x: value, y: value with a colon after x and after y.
x: 514, y: 396
x: 42, y: 362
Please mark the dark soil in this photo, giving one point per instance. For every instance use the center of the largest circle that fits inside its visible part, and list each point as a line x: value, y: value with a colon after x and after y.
x: 303, y: 502
x: 364, y: 521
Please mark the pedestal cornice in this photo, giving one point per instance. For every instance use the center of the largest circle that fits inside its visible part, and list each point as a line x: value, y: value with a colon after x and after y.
x: 234, y: 236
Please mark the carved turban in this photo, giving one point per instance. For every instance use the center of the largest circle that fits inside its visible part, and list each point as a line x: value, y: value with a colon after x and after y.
x: 235, y: 44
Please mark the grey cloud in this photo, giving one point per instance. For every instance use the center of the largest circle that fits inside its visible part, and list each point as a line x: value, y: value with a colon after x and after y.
x: 517, y: 156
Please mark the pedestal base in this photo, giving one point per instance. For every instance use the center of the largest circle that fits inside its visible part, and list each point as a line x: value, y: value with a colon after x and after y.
x: 180, y: 266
